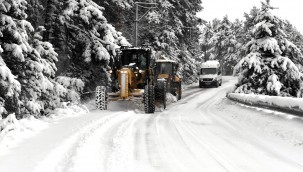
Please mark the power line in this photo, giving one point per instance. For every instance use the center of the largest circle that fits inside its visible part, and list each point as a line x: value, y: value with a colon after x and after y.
x: 142, y: 5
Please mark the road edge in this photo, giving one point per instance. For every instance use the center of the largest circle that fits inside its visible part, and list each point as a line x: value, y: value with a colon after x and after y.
x: 294, y: 105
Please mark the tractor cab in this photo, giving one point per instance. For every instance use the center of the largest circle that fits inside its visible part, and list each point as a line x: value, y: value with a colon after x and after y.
x: 136, y: 63
x: 167, y: 70
x: 135, y: 59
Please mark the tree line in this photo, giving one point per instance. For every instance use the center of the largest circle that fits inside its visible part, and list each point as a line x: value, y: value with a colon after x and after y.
x: 264, y: 50
x: 52, y: 51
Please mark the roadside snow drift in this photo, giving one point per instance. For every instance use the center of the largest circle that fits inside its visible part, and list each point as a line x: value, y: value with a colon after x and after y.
x: 292, y: 105
x: 13, y: 131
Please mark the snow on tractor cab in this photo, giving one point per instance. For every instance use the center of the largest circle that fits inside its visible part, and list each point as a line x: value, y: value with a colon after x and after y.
x: 136, y: 79
x: 167, y: 71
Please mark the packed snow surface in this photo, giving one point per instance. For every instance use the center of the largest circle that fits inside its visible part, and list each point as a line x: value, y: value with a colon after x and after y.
x: 202, y: 132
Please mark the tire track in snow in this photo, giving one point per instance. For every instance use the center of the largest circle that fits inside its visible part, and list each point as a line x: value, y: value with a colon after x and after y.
x: 121, y: 151
x: 255, y: 157
x: 253, y: 140
x: 63, y: 157
x: 122, y: 157
x: 210, y: 150
x: 144, y: 142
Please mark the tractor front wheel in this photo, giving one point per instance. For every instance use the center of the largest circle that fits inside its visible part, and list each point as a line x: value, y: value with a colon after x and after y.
x: 101, y: 98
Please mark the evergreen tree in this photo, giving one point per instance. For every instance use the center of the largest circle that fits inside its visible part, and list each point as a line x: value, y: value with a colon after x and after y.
x: 206, y: 41
x: 249, y: 19
x: 225, y: 42
x: 173, y: 30
x: 91, y: 42
x: 266, y: 69
x: 121, y: 14
x: 16, y: 52
x: 235, y: 40
x: 34, y: 10
x: 27, y: 65
x: 295, y: 37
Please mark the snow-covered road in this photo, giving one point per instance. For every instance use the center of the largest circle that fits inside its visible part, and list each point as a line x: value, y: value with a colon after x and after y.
x: 202, y: 132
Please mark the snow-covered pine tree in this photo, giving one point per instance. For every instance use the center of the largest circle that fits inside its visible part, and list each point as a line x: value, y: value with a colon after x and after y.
x: 48, y: 96
x: 91, y: 41
x: 235, y: 40
x: 249, y: 19
x: 27, y: 64
x: 15, y: 51
x: 173, y: 29
x: 120, y: 14
x: 224, y: 41
x: 34, y: 11
x: 297, y: 38
x: 266, y: 69
x: 205, y: 40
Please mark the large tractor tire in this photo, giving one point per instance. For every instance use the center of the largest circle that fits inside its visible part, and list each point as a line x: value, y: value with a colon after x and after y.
x: 101, y: 98
x: 179, y: 92
x: 160, y: 92
x: 149, y: 99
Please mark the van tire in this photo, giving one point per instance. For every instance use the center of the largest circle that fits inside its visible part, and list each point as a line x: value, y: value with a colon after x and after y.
x: 200, y: 85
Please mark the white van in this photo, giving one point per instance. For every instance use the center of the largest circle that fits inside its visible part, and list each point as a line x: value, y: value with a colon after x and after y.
x: 210, y: 74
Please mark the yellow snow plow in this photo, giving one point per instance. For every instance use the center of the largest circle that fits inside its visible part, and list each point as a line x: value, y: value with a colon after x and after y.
x: 135, y: 77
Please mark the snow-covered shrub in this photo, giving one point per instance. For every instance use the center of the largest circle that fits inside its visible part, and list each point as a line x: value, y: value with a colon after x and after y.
x: 69, y: 89
x: 266, y: 69
x: 10, y: 123
x: 273, y: 84
x: 300, y: 92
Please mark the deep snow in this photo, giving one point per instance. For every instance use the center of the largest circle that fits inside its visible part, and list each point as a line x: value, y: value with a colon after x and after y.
x: 203, y: 132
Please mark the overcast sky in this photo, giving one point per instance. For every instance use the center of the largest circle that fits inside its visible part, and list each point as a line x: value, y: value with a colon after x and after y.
x: 291, y: 10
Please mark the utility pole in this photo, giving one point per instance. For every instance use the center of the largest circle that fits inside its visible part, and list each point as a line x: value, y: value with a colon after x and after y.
x: 145, y: 5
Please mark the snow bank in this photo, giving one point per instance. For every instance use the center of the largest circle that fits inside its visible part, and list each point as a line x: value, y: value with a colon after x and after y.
x: 286, y: 104
x: 13, y: 131
x: 69, y: 109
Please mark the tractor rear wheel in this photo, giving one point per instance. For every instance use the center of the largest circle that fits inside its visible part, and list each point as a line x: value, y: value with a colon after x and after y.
x: 101, y: 98
x: 160, y: 92
x: 179, y: 92
x: 149, y: 99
